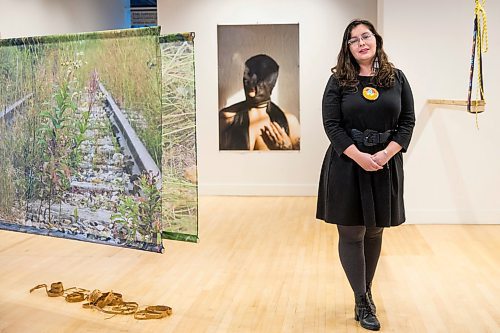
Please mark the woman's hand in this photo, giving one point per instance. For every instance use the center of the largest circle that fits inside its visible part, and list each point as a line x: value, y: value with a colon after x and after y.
x: 367, y: 162
x: 275, y: 137
x: 381, y: 157
x: 364, y: 160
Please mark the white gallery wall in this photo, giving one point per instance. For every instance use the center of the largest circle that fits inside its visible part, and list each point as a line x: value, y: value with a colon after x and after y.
x: 453, y: 169
x: 21, y: 18
x: 321, y: 24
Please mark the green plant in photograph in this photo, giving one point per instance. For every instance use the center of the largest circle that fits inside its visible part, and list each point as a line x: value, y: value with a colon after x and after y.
x: 81, y: 123
x: 58, y: 139
x: 128, y: 216
x: 81, y: 126
x: 141, y: 215
x: 150, y: 206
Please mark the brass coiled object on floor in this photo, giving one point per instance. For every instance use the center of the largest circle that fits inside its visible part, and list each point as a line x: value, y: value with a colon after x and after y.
x: 107, y: 302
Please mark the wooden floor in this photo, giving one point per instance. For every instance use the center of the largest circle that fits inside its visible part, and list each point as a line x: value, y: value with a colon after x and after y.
x: 262, y: 265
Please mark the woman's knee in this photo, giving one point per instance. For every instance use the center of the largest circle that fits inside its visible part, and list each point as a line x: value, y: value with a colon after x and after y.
x: 351, y: 234
x: 374, y: 232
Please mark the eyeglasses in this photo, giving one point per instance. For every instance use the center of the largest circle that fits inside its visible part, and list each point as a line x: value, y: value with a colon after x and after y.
x: 363, y: 37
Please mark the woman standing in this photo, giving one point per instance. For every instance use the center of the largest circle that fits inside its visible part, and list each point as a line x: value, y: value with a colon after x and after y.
x: 368, y: 116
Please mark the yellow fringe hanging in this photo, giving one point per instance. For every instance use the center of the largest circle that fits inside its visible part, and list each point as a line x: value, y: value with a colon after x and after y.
x: 481, y: 45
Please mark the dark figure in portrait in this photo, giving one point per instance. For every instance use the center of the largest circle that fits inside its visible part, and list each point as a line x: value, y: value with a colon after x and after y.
x: 257, y: 123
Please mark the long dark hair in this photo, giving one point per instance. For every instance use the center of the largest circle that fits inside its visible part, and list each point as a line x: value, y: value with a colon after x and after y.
x: 347, y: 68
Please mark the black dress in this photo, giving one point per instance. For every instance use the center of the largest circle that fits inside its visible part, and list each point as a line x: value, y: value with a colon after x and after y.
x: 347, y: 194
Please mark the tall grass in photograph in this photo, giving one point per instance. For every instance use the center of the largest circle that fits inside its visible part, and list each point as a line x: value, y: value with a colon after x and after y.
x: 7, y: 176
x: 15, y: 75
x: 179, y: 169
x: 18, y: 68
x: 134, y: 81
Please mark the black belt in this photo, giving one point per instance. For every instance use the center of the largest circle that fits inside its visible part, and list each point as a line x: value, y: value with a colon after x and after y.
x: 370, y: 137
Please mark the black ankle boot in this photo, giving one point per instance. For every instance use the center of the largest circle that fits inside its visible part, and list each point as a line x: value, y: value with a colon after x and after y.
x: 364, y: 314
x: 370, y: 298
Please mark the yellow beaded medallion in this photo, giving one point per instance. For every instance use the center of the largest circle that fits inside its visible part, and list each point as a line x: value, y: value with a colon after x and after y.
x: 370, y: 93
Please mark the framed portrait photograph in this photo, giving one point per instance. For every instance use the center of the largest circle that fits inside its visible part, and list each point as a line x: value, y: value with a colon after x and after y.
x: 258, y: 81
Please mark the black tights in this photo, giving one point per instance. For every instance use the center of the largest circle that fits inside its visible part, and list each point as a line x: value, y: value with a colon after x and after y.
x: 359, y: 250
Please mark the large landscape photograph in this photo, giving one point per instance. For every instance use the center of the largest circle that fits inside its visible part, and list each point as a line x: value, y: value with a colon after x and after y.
x: 81, y: 137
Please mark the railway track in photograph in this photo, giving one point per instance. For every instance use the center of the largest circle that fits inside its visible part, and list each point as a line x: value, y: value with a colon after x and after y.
x: 8, y: 113
x: 112, y: 157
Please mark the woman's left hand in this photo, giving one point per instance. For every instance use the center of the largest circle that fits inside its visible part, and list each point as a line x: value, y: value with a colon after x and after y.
x: 381, y: 157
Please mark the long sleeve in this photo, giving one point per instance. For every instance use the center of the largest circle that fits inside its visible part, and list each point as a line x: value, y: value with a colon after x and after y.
x: 406, y: 120
x: 332, y: 117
